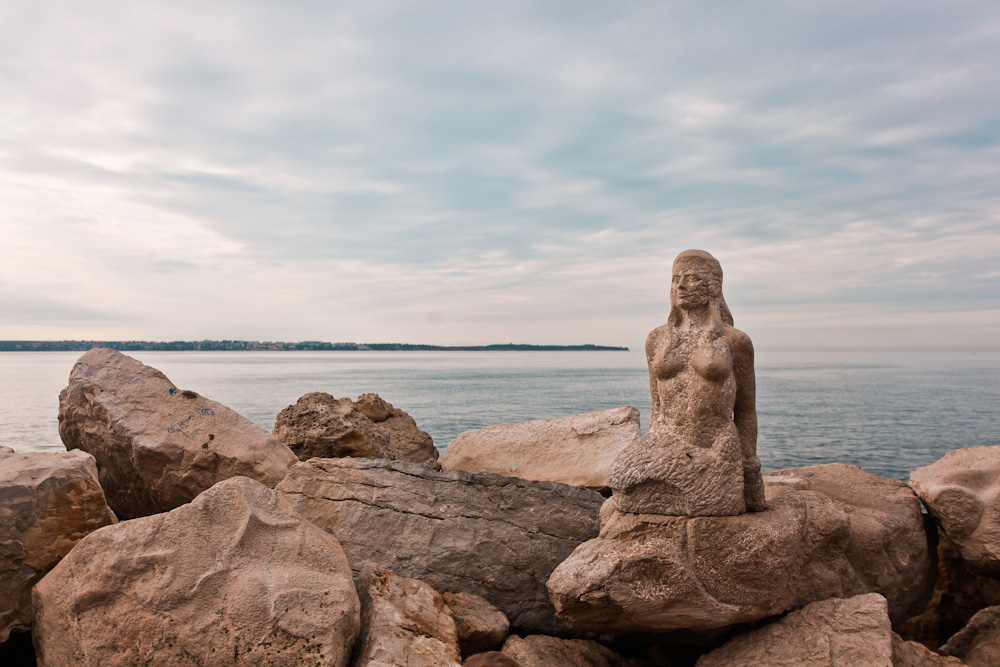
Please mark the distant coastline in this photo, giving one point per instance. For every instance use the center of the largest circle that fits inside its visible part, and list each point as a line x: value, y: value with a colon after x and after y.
x: 268, y: 346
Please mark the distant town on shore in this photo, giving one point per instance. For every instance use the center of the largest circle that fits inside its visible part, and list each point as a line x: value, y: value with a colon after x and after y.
x: 253, y: 345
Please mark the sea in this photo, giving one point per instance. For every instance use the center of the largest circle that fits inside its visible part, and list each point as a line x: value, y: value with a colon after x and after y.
x: 886, y: 411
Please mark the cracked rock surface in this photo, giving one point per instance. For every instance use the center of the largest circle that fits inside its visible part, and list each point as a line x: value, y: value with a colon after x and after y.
x: 837, y: 632
x: 236, y: 577
x: 48, y: 502
x: 492, y: 536
x: 158, y: 446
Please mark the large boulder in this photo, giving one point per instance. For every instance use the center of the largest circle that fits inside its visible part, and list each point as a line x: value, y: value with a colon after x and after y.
x: 157, y: 446
x: 544, y: 651
x: 497, y: 537
x: 235, y: 577
x: 321, y: 426
x: 49, y: 501
x: 573, y: 450
x: 978, y: 643
x: 828, y: 531
x: 404, y: 622
x: 962, y: 493
x: 828, y: 633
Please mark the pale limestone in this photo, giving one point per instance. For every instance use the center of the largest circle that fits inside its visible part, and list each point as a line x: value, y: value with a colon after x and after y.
x: 404, y: 622
x: 962, y: 493
x: 157, y: 446
x: 236, y: 577
x: 830, y: 530
x: 572, y: 450
x: 853, y: 632
x: 49, y: 501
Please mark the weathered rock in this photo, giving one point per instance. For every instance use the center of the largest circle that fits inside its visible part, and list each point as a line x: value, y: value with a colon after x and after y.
x: 235, y: 577
x: 830, y: 633
x: 544, y: 651
x: 962, y: 493
x: 321, y: 426
x: 498, y: 537
x: 978, y: 643
x: 573, y: 450
x: 404, y: 622
x: 912, y: 654
x: 490, y: 659
x: 481, y: 626
x: 958, y: 594
x: 829, y: 530
x: 157, y: 447
x: 48, y: 503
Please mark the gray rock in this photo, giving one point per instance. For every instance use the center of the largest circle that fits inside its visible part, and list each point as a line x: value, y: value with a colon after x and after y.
x: 404, y: 622
x: 573, y: 450
x: 321, y: 426
x: 157, y: 446
x: 497, y: 537
x: 829, y: 531
x: 830, y: 633
x: 235, y: 577
x: 48, y: 503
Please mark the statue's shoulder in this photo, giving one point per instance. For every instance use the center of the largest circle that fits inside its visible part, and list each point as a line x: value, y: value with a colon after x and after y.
x: 739, y: 341
x: 654, y: 338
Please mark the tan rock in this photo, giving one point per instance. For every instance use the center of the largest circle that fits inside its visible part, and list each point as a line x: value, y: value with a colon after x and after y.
x: 235, y: 577
x: 404, y: 622
x: 912, y: 654
x: 490, y: 659
x: 830, y: 530
x: 481, y: 626
x: 497, y: 537
x: 49, y: 501
x: 573, y: 450
x: 978, y: 643
x: 157, y: 446
x: 321, y: 426
x: 852, y: 632
x: 544, y: 651
x: 962, y: 493
x: 700, y: 455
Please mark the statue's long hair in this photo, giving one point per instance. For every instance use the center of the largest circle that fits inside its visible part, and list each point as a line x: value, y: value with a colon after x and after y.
x: 720, y: 311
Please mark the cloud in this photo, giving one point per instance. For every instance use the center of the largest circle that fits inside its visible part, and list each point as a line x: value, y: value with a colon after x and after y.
x: 314, y: 171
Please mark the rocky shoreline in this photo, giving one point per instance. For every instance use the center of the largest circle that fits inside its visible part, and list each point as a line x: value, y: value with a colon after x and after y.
x: 175, y: 532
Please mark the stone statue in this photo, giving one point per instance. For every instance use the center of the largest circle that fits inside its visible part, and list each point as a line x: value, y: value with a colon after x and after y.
x: 699, y: 457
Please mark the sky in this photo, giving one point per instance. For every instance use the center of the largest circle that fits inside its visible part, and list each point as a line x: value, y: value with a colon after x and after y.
x: 471, y: 173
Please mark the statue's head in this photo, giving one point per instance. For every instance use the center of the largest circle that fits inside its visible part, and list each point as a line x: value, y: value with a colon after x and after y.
x: 697, y: 283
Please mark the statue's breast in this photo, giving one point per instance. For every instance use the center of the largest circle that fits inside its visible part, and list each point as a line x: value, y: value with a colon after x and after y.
x: 713, y: 361
x: 669, y: 362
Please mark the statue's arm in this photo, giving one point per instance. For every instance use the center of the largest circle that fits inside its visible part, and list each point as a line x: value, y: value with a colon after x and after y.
x: 745, y: 408
x: 656, y: 410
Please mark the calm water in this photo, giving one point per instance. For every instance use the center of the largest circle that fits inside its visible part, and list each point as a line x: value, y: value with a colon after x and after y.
x: 889, y: 412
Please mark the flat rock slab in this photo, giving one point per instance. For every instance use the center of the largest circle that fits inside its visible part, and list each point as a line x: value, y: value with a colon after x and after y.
x: 829, y: 531
x: 573, y: 450
x: 49, y: 501
x: 831, y: 633
x: 157, y: 446
x: 235, y: 577
x: 497, y: 537
x: 962, y: 492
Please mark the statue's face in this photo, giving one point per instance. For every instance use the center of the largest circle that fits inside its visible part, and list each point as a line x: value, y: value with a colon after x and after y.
x: 692, y: 284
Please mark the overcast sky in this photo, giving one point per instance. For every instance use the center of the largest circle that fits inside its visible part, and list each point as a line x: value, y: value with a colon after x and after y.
x: 471, y: 172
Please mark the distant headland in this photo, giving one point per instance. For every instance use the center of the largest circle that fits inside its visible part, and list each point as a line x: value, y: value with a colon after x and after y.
x: 253, y: 345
